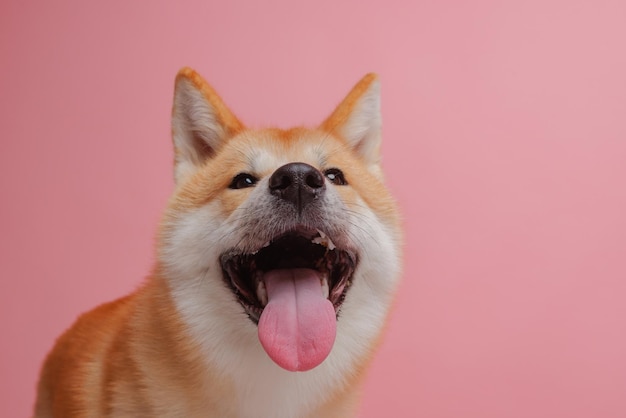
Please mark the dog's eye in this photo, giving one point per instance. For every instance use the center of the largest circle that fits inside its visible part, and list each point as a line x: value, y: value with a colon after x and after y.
x: 243, y: 180
x: 335, y: 176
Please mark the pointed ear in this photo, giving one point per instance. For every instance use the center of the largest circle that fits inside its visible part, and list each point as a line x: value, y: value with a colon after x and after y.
x: 357, y: 119
x: 201, y: 122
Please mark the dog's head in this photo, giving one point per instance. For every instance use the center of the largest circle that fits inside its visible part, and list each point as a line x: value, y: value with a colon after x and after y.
x: 289, y: 235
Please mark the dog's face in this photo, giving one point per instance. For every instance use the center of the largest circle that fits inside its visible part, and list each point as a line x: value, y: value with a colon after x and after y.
x: 284, y: 237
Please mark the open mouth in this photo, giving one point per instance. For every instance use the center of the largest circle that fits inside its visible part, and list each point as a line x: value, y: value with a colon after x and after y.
x: 293, y: 289
x: 298, y: 250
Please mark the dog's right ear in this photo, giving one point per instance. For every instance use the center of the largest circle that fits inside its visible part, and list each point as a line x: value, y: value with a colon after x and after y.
x: 357, y: 119
x: 201, y: 123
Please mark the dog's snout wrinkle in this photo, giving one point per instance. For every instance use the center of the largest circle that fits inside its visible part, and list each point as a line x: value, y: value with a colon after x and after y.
x: 297, y: 183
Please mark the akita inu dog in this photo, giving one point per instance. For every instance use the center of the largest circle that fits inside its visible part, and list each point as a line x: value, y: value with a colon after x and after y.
x: 277, y: 260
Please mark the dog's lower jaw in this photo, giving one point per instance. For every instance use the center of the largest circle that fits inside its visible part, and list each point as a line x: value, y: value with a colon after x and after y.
x: 230, y: 348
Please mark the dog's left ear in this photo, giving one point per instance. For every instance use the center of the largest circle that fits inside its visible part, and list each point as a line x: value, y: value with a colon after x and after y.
x: 201, y: 122
x: 358, y: 121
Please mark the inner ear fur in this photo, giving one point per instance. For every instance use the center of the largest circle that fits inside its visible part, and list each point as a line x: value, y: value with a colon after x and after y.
x: 201, y: 122
x: 357, y: 119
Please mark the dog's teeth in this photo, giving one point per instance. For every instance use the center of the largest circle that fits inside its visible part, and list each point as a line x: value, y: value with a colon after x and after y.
x: 261, y: 292
x: 323, y: 240
x: 325, y: 288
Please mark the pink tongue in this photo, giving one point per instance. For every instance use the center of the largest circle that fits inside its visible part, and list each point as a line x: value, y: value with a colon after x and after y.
x: 298, y: 325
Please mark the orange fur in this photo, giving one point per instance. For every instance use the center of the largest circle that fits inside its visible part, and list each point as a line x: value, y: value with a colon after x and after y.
x: 346, y: 107
x: 97, y: 368
x: 137, y: 356
x: 224, y: 115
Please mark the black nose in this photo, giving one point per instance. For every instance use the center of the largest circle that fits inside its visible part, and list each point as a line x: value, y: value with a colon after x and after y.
x: 297, y: 183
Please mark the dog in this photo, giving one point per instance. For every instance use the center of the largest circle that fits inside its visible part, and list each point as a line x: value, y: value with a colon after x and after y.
x: 278, y: 258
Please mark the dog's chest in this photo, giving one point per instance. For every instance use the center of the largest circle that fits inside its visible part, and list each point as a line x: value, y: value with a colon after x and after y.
x: 279, y: 394
x: 259, y: 388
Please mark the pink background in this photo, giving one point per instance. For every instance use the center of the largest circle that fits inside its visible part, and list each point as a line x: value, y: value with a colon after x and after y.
x: 505, y: 143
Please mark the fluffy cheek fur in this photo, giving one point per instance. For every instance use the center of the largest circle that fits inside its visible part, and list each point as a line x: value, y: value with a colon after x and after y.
x: 190, y: 250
